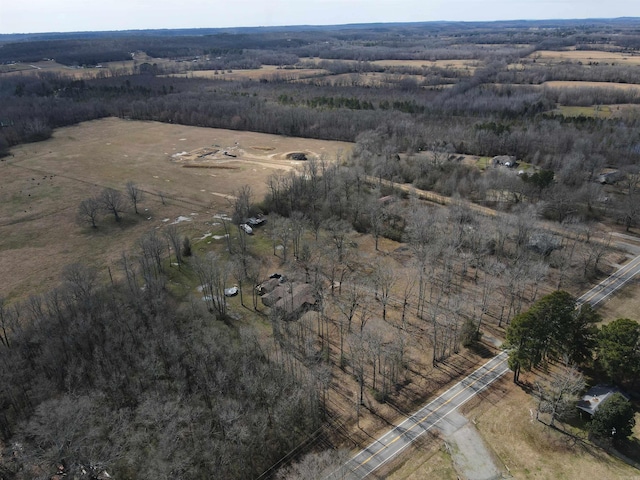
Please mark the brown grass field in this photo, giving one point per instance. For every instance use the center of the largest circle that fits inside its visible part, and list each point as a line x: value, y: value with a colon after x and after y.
x: 585, y: 56
x: 522, y: 446
x: 43, y: 184
x: 267, y: 72
x: 464, y: 64
x: 578, y: 84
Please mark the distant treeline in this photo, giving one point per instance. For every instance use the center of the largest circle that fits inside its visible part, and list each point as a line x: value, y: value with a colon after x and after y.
x: 34, y: 105
x: 419, y: 105
x: 414, y: 41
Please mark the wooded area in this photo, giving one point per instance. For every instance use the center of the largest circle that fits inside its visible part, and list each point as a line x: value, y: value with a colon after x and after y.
x: 487, y: 194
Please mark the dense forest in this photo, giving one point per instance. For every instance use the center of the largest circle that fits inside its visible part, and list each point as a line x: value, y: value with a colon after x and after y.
x: 133, y: 379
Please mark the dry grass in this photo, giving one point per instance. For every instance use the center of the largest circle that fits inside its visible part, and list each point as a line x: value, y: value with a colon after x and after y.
x: 464, y: 64
x: 531, y: 450
x: 625, y: 304
x: 526, y: 448
x: 579, y: 84
x: 576, y: 84
x: 430, y: 460
x: 267, y: 72
x: 43, y: 184
x: 585, y: 56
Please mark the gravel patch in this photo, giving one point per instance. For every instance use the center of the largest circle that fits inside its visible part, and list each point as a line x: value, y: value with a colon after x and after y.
x: 471, y: 458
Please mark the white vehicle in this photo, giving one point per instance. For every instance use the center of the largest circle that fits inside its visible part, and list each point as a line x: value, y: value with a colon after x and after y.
x: 230, y: 292
x: 247, y: 229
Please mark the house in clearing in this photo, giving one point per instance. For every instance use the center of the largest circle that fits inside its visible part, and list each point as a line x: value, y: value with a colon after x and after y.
x: 506, y: 160
x: 291, y: 298
x: 595, y: 396
x: 609, y: 177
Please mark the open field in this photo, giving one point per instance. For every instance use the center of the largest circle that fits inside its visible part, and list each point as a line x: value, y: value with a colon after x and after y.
x: 563, y: 84
x: 465, y: 64
x: 43, y: 184
x: 268, y: 72
x: 125, y: 67
x: 579, y: 84
x: 50, y: 66
x: 585, y: 56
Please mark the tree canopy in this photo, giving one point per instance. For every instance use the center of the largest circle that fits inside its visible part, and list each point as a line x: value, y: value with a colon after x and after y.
x: 551, y: 328
x: 618, y: 351
x: 614, y: 419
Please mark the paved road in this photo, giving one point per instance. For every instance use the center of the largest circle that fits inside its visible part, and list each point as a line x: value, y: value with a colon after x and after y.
x: 396, y: 440
x: 399, y: 438
x: 611, y: 284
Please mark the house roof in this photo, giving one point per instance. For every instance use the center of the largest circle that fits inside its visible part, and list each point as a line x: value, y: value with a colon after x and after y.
x: 595, y: 396
x: 290, y: 297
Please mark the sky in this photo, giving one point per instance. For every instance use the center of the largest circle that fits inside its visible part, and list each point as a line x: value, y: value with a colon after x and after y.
x: 34, y: 16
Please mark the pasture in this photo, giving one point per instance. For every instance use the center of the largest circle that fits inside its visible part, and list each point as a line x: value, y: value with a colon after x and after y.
x: 585, y: 56
x: 43, y: 184
x: 580, y: 84
x: 266, y: 72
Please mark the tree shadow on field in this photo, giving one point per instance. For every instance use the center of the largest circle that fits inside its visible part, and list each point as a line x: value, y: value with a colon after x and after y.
x: 631, y: 449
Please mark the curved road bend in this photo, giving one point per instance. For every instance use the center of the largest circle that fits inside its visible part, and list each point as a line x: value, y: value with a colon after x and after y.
x: 399, y: 438
x: 396, y: 440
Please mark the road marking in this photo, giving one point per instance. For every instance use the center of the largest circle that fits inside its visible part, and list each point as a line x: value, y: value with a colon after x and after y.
x: 419, y: 422
x: 611, y: 281
x: 614, y: 282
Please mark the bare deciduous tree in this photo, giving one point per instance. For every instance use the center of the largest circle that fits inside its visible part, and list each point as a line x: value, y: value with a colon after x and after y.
x: 337, y: 230
x: 88, y: 211
x: 558, y: 396
x: 241, y: 204
x: 212, y: 273
x: 175, y: 240
x: 112, y: 202
x: 298, y: 225
x: 135, y: 195
x: 384, y: 278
